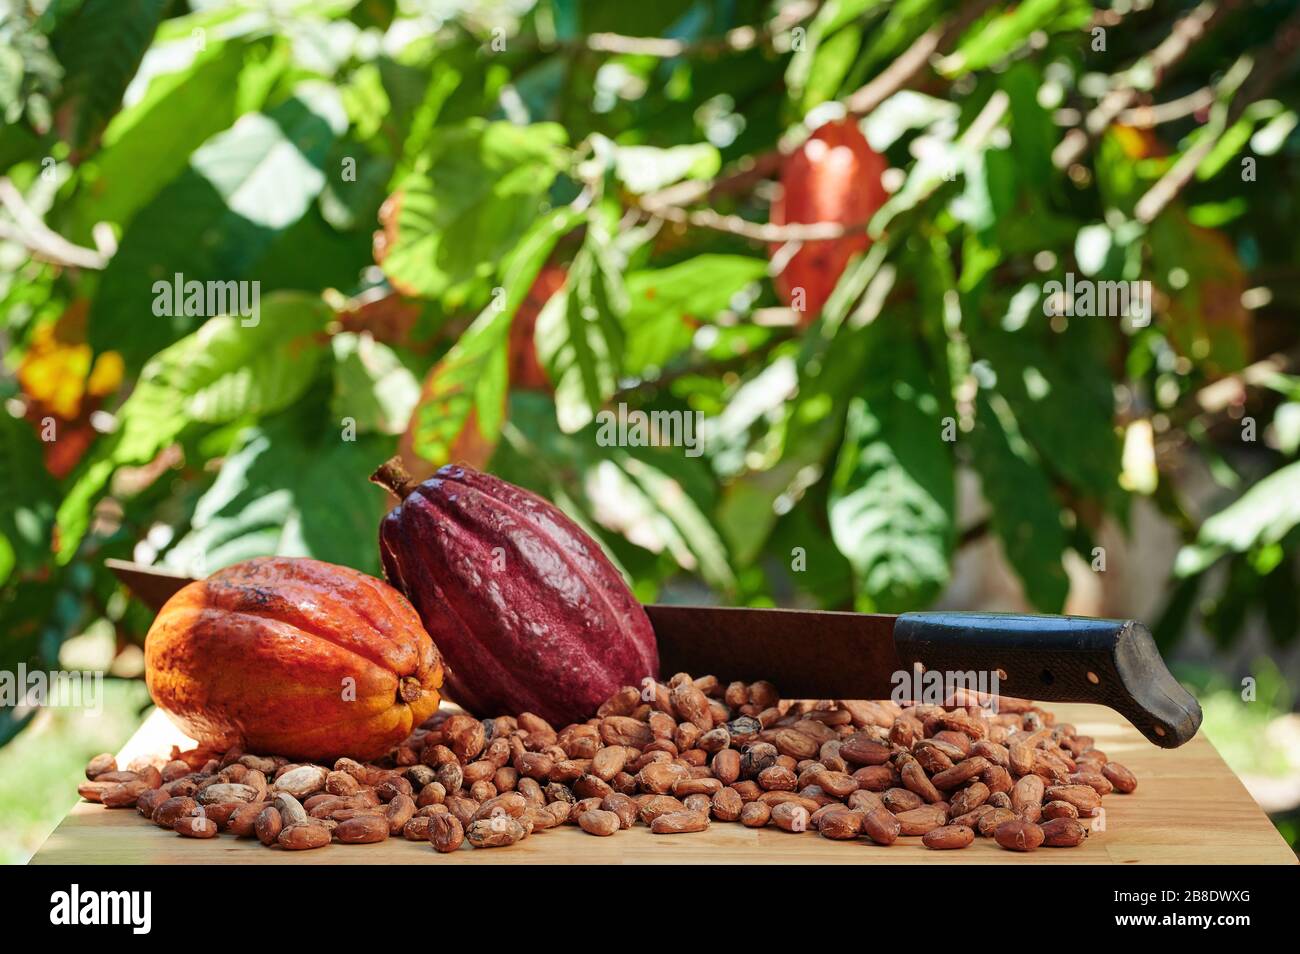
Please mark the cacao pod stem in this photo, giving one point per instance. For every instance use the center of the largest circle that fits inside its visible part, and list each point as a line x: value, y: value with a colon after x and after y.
x: 393, y: 476
x: 409, y: 689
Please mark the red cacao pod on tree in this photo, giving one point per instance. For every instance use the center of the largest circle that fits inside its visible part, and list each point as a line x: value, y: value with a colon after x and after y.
x: 833, y: 177
x: 527, y: 611
x: 293, y: 657
x: 525, y: 370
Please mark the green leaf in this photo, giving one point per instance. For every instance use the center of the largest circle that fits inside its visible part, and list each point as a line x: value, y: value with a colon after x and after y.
x: 891, y: 503
x: 243, y: 188
x: 286, y: 492
x: 1225, y: 613
x: 1204, y: 317
x: 480, y: 188
x: 829, y: 367
x: 29, y: 498
x: 1175, y: 614
x: 646, y: 168
x: 8, y: 559
x: 1047, y: 378
x: 831, y: 64
x: 580, y: 333
x: 1025, y: 513
x: 1262, y: 516
x: 657, y: 498
x: 224, y: 372
x: 100, y: 46
x: 467, y: 388
x: 652, y: 507
x: 665, y: 305
x: 160, y: 132
x: 801, y: 544
x: 995, y: 38
x: 372, y: 387
x: 353, y: 202
x: 228, y: 370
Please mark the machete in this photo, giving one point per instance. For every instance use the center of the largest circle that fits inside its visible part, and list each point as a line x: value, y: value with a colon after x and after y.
x: 820, y: 654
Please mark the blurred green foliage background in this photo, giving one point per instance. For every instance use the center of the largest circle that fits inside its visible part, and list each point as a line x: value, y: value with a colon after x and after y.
x: 397, y: 174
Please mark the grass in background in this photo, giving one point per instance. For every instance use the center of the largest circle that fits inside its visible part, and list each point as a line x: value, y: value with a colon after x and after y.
x: 40, y: 769
x: 1243, y: 726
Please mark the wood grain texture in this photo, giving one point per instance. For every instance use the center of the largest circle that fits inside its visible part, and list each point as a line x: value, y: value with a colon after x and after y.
x: 1188, y: 809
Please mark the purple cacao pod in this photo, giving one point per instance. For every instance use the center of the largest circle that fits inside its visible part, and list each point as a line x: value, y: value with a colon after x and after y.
x: 528, y: 613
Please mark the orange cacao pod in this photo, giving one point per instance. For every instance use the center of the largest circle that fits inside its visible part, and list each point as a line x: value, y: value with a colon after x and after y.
x: 833, y: 177
x: 293, y: 657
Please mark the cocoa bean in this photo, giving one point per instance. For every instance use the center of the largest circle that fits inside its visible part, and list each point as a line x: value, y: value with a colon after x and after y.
x: 172, y: 810
x: 195, y: 826
x: 948, y: 837
x: 1059, y: 809
x: 498, y: 832
x: 268, y: 825
x: 1027, y: 797
x: 1018, y: 835
x: 102, y: 764
x: 755, y: 814
x: 881, y: 826
x: 303, y: 837
x: 1120, y: 777
x: 1082, y: 797
x: 989, y: 821
x: 726, y: 765
x: 1063, y: 832
x: 417, y: 829
x: 678, y: 822
x: 839, y: 824
x: 445, y: 833
x: 918, y: 821
x: 299, y: 782
x: 961, y: 772
x: 791, y: 816
x: 599, y: 822
x: 901, y: 800
x: 623, y: 806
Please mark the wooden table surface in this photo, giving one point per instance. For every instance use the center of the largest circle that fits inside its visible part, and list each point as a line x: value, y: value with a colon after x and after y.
x: 1188, y: 809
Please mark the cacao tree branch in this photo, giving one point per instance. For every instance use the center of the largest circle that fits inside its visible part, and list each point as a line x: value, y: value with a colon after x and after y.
x: 43, y: 242
x: 976, y: 134
x: 1218, y: 396
x: 1265, y: 72
x: 736, y: 40
x: 912, y: 62
x: 1148, y: 117
x: 1186, y: 33
x: 755, y: 231
x: 670, y: 203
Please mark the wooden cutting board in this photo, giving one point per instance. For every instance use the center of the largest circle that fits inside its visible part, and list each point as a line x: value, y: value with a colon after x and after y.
x: 1188, y: 809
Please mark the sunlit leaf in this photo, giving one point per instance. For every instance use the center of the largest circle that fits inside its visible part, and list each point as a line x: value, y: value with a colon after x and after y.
x: 371, y: 385
x: 666, y: 305
x: 580, y: 334
x: 1025, y: 513
x: 645, y: 168
x: 242, y: 189
x: 287, y: 491
x: 100, y: 45
x: 225, y: 371
x: 466, y: 390
x: 481, y: 187
x: 892, y: 494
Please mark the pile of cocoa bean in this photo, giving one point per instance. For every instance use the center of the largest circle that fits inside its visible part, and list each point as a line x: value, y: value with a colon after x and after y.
x: 672, y: 756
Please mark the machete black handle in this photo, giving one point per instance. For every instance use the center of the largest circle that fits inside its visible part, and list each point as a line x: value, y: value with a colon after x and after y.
x: 1112, y: 662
